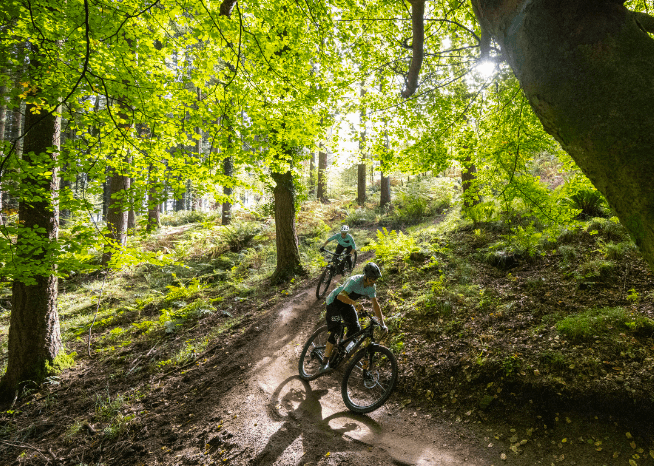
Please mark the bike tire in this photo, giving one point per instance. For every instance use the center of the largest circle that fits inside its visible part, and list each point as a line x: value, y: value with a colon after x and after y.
x: 362, y: 395
x: 312, y: 353
x: 323, y: 283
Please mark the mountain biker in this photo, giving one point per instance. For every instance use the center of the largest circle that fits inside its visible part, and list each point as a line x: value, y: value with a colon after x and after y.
x: 342, y: 306
x: 345, y: 242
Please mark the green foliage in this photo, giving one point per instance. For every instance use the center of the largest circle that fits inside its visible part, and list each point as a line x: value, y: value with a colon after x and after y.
x: 176, y: 219
x: 589, y: 202
x: 511, y: 365
x: 615, y: 251
x: 554, y: 359
x: 183, y: 291
x: 61, y: 362
x: 596, y: 269
x: 393, y: 246
x: 592, y: 323
x: 239, y: 235
x: 608, y: 228
x: 487, y: 211
x: 419, y: 199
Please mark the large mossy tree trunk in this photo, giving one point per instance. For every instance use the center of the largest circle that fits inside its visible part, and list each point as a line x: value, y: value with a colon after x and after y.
x: 288, y: 253
x: 34, y: 334
x: 587, y: 69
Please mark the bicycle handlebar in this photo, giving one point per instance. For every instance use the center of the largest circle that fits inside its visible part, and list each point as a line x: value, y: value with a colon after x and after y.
x: 333, y: 253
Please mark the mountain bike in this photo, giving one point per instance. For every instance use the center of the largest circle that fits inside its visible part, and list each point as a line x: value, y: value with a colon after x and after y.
x: 371, y: 372
x: 338, y: 264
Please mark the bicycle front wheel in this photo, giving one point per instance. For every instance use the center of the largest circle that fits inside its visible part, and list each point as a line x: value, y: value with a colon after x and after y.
x: 369, y: 379
x: 312, y: 354
x: 323, y: 282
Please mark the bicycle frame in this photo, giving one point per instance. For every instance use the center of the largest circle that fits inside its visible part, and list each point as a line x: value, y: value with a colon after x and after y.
x: 340, y: 256
x: 367, y: 331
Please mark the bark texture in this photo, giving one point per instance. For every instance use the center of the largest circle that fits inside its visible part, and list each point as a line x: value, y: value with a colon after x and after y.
x: 154, y: 214
x: 228, y: 170
x: 587, y: 69
x: 322, y: 177
x: 385, y: 194
x: 288, y: 253
x: 34, y: 334
x: 417, y: 46
x: 116, y: 214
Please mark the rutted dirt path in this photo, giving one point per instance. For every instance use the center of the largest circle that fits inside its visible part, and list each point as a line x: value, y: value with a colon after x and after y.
x: 269, y: 416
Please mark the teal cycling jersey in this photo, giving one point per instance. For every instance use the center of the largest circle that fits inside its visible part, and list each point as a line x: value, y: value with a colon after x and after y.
x: 355, y: 289
x: 345, y: 242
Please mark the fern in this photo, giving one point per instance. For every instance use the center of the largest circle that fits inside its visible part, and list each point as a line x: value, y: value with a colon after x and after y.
x: 392, y: 246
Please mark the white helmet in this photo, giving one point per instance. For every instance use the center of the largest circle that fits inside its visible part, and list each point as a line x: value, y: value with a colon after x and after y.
x: 345, y: 229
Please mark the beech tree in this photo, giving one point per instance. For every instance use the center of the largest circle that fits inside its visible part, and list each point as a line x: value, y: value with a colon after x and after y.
x: 34, y: 335
x: 587, y: 69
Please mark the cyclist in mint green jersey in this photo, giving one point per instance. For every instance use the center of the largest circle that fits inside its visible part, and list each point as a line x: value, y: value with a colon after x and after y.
x: 342, y: 306
x: 345, y: 243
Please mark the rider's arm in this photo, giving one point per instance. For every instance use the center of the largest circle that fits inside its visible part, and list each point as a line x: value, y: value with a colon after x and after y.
x: 345, y: 298
x: 331, y: 238
x: 354, y: 245
x: 377, y: 310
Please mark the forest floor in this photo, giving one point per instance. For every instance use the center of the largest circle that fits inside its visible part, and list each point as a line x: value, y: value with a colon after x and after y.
x: 491, y: 372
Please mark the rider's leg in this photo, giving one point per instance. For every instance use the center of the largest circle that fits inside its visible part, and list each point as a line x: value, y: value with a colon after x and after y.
x: 337, y: 252
x: 328, y: 349
x: 334, y: 322
x: 350, y: 319
x: 348, y: 258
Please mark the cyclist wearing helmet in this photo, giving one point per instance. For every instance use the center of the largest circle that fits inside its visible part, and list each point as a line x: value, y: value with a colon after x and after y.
x: 345, y: 242
x: 342, y: 306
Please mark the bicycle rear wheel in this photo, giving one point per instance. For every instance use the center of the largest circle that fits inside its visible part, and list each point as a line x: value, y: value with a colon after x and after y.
x: 323, y: 282
x: 312, y: 353
x: 366, y: 390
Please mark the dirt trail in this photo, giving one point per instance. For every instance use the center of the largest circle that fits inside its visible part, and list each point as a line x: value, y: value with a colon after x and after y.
x: 277, y: 419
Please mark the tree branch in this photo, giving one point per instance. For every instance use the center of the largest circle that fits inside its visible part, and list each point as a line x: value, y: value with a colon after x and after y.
x: 645, y: 21
x: 226, y: 8
x: 418, y: 27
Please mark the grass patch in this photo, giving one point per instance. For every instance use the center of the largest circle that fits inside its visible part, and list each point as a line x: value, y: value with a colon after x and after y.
x: 593, y: 323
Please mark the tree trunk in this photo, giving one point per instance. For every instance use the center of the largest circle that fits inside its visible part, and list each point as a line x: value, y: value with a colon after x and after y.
x: 65, y: 185
x: 116, y: 214
x: 385, y: 196
x: 322, y: 177
x: 288, y: 253
x: 3, y: 125
x: 105, y: 198
x: 468, y: 178
x: 361, y: 185
x: 154, y: 221
x: 587, y: 69
x: 34, y: 334
x: 228, y: 170
x: 312, y: 174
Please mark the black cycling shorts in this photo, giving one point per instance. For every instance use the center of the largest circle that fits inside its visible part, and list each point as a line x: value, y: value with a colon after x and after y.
x: 338, y: 312
x: 340, y: 248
